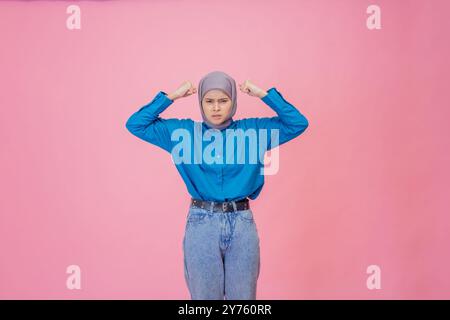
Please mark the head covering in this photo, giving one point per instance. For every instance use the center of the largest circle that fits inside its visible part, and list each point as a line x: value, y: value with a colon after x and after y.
x: 218, y: 80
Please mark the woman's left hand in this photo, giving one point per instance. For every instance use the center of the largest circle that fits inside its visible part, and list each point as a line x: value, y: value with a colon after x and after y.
x: 251, y: 89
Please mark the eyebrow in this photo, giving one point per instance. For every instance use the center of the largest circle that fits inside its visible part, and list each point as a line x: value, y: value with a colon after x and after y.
x: 225, y: 98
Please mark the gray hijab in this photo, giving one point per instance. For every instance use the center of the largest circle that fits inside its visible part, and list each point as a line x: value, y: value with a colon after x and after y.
x: 218, y: 80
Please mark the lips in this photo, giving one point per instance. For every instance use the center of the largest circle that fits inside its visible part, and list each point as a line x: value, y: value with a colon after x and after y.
x: 216, y: 116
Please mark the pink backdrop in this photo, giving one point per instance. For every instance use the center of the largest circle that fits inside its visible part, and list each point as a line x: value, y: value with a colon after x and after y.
x: 366, y: 184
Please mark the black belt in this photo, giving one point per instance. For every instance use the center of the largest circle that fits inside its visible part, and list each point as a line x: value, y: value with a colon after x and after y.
x: 226, y: 206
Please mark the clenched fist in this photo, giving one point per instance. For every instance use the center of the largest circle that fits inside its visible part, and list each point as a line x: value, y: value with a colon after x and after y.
x: 186, y: 89
x: 251, y: 89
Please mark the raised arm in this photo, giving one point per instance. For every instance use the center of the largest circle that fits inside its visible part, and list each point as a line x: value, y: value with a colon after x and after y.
x: 147, y: 125
x: 289, y: 121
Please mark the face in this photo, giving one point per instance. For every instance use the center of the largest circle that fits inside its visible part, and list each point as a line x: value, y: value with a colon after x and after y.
x: 216, y: 106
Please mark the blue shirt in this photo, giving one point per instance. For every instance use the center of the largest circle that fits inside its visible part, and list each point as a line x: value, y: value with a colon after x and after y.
x: 221, y: 180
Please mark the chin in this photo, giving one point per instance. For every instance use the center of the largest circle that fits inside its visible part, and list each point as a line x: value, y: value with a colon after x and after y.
x: 216, y: 122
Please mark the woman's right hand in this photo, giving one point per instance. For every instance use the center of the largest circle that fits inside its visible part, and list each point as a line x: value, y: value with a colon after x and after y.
x: 186, y: 89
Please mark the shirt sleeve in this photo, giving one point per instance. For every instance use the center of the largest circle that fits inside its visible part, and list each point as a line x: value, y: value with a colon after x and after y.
x: 289, y: 122
x: 148, y: 126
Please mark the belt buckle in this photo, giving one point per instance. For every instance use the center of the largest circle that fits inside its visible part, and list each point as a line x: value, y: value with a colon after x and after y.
x: 224, y: 206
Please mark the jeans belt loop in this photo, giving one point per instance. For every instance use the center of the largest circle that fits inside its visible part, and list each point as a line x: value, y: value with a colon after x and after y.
x: 234, y: 205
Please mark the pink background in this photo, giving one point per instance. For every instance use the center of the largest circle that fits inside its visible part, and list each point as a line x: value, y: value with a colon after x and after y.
x: 366, y: 184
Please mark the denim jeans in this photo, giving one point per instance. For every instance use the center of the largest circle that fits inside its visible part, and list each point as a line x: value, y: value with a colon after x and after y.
x: 221, y: 254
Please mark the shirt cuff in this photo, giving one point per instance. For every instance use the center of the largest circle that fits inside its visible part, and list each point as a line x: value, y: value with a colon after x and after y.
x: 159, y: 102
x: 272, y: 95
x: 164, y: 96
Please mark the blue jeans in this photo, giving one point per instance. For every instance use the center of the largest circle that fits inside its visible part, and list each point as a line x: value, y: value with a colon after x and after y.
x: 221, y: 254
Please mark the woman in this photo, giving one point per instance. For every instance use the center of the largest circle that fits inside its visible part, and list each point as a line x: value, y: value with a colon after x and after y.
x: 221, y: 241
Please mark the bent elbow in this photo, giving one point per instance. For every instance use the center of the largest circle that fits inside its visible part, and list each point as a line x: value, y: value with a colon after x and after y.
x: 131, y: 126
x: 301, y: 127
